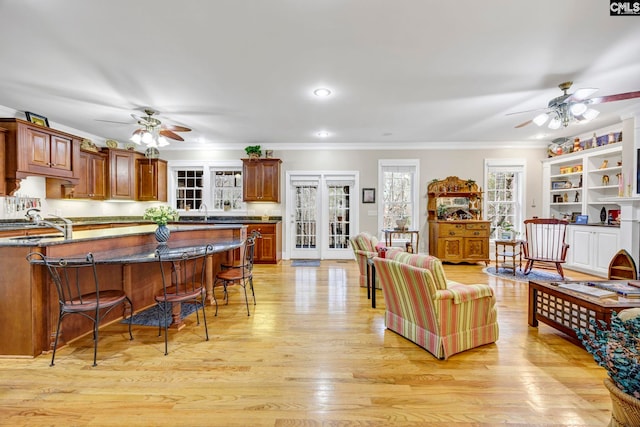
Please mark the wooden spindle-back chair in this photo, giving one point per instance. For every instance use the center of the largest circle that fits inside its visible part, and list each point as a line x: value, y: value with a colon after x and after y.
x: 545, y: 242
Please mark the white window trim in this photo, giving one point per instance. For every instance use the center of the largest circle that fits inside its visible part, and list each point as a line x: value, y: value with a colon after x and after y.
x: 415, y: 163
x: 207, y: 186
x: 514, y: 163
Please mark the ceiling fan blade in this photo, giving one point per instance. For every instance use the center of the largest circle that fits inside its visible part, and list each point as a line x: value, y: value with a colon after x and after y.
x: 616, y: 97
x: 113, y: 121
x: 527, y: 111
x: 582, y: 93
x: 169, y: 134
x: 176, y: 128
x: 523, y: 124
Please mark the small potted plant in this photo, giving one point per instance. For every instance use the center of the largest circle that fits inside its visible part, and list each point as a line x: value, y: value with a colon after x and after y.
x: 253, y: 151
x: 616, y: 347
x: 227, y: 205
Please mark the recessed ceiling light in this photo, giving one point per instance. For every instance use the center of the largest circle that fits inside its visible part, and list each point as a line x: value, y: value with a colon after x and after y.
x: 323, y: 134
x: 322, y: 92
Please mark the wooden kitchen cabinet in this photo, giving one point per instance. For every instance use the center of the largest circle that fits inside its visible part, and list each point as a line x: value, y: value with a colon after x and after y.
x: 261, y: 180
x: 268, y: 249
x: 459, y: 241
x: 31, y: 149
x: 92, y: 184
x: 121, y: 173
x: 151, y: 177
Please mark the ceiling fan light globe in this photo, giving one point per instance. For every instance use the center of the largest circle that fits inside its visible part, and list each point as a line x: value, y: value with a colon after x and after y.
x: 541, y: 119
x: 590, y: 114
x: 162, y: 141
x: 147, y: 138
x: 584, y: 92
x: 578, y: 109
x: 135, y: 138
x: 555, y: 123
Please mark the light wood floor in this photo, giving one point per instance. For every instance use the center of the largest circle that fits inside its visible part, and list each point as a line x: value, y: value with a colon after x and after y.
x: 313, y: 353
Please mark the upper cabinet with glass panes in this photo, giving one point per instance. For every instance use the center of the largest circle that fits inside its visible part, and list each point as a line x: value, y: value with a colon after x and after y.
x: 227, y: 189
x: 454, y: 198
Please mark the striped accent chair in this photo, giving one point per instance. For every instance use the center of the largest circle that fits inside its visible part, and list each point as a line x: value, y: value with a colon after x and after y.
x: 364, y: 247
x: 441, y: 316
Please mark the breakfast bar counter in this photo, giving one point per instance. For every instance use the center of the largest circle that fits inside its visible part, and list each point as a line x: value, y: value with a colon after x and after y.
x: 125, y: 258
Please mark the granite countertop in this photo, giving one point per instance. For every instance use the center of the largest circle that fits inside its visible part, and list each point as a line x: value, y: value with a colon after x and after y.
x: 102, y: 233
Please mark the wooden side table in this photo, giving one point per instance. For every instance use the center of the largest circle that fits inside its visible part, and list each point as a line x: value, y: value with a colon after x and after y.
x: 414, y: 235
x: 509, y: 250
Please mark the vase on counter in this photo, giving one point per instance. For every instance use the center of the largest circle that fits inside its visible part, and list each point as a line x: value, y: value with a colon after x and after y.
x: 162, y: 233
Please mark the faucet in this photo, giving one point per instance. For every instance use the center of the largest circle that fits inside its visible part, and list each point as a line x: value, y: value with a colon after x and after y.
x: 203, y: 208
x: 33, y: 215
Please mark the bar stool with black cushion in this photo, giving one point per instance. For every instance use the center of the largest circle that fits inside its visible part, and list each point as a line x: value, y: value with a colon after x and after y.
x: 183, y: 282
x: 241, y: 275
x: 80, y: 292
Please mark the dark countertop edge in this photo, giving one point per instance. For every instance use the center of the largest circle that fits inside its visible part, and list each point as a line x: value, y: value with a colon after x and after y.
x: 13, y: 224
x: 595, y: 225
x: 105, y: 233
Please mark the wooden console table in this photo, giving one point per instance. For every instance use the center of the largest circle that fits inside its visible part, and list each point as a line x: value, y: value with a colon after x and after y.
x: 567, y: 310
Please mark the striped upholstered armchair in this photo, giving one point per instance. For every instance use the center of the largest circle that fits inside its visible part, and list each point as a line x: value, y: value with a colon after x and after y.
x: 441, y: 316
x: 364, y: 246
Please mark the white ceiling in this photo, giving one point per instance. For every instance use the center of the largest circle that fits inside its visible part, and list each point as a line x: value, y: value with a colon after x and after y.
x: 241, y: 72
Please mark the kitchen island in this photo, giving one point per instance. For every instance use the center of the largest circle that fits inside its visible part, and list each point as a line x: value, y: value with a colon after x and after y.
x: 126, y: 255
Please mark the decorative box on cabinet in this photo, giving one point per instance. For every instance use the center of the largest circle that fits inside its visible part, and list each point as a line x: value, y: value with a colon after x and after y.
x: 31, y: 149
x: 268, y: 249
x: 151, y: 177
x: 261, y: 180
x: 121, y: 173
x: 459, y: 241
x: 92, y: 184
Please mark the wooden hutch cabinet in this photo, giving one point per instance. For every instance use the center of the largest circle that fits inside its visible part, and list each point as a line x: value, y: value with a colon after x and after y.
x: 261, y: 180
x: 92, y: 171
x: 457, y: 232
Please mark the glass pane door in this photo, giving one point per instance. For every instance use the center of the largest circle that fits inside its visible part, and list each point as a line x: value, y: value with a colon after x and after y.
x: 305, y: 217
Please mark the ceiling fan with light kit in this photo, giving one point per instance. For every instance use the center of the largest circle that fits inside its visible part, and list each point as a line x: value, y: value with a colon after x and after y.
x: 572, y: 107
x: 152, y: 133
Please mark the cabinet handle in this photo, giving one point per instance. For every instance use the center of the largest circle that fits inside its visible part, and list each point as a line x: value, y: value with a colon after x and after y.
x: 475, y: 233
x: 452, y: 233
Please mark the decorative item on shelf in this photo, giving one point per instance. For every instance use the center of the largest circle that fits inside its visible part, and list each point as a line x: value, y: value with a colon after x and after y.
x: 594, y: 141
x: 442, y: 211
x: 253, y: 151
x: 580, y: 182
x: 565, y: 197
x: 88, y: 145
x: 401, y: 224
x: 603, y: 215
x: 227, y: 205
x: 268, y: 154
x: 605, y: 179
x: 566, y: 169
x: 111, y: 143
x: 614, y: 346
x: 161, y: 215
x: 577, y: 198
x: 37, y: 119
x: 604, y: 165
x: 576, y: 145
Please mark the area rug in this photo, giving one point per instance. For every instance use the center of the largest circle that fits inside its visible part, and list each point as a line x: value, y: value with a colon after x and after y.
x: 507, y: 273
x: 149, y: 317
x: 305, y: 263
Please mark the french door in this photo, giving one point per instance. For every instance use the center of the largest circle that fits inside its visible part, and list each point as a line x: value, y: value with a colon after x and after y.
x: 321, y: 209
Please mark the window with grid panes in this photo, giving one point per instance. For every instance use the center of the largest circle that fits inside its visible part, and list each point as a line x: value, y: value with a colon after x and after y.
x: 227, y: 188
x: 399, y: 193
x: 188, y: 189
x: 504, y: 197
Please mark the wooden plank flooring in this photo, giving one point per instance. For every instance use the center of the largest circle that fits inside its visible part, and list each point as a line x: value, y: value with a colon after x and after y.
x: 313, y: 353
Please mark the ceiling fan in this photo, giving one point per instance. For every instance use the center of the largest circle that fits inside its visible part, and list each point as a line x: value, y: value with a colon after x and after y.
x: 569, y: 107
x: 153, y: 133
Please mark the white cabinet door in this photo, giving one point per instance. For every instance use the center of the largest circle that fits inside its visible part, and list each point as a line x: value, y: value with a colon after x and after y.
x: 592, y: 248
x: 579, y: 252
